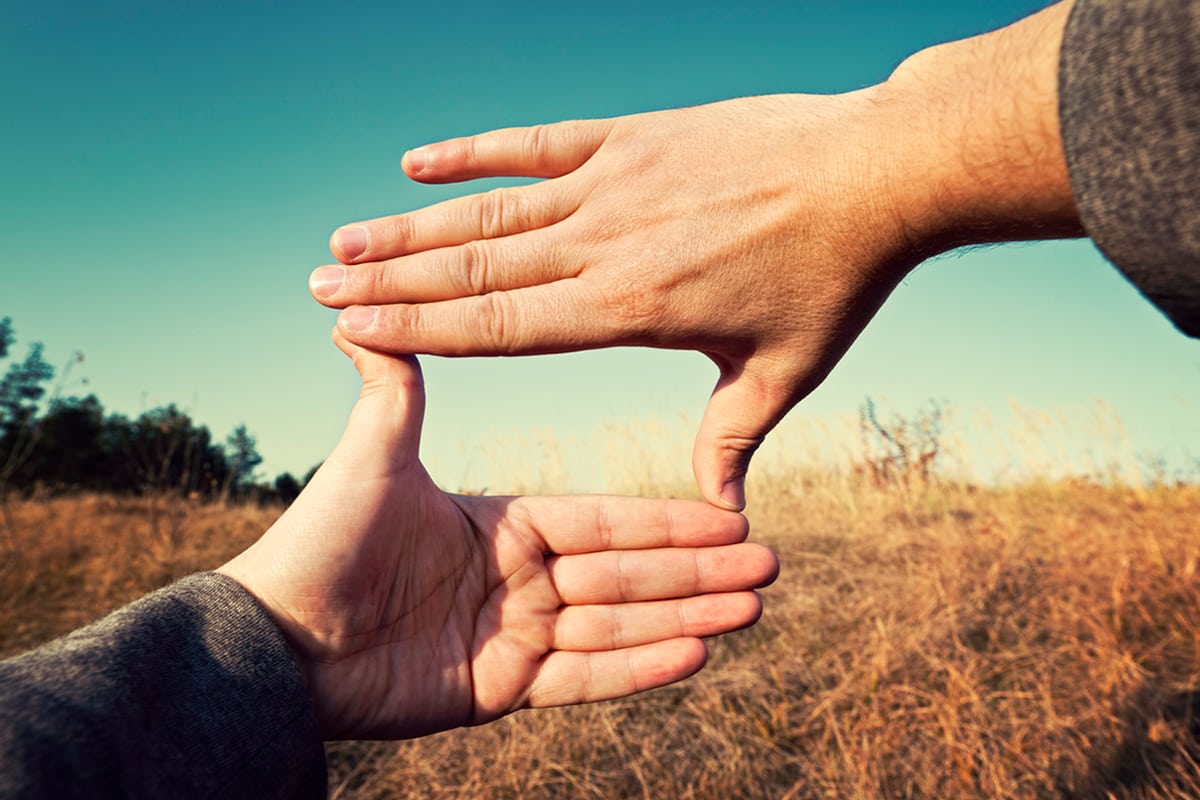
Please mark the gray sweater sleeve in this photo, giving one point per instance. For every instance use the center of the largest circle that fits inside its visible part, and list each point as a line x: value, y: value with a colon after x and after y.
x: 1129, y: 102
x: 189, y: 692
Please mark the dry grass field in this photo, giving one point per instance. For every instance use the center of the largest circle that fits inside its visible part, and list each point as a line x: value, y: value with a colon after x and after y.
x: 926, y: 639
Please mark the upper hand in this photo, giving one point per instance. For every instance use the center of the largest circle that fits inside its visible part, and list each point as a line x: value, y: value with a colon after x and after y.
x: 753, y: 230
x: 411, y: 610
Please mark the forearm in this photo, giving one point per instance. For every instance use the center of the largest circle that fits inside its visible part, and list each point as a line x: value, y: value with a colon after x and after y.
x: 189, y: 692
x: 978, y: 150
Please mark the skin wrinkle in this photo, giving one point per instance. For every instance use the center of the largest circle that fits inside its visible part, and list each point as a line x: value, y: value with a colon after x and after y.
x: 493, y: 211
x: 587, y: 681
x: 402, y: 231
x: 604, y: 526
x: 624, y: 579
x: 672, y: 528
x: 496, y: 316
x: 404, y: 324
x: 474, y: 276
x: 631, y: 669
x: 681, y: 619
x: 616, y: 630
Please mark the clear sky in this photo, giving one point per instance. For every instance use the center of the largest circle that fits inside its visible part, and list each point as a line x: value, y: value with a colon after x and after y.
x: 170, y: 173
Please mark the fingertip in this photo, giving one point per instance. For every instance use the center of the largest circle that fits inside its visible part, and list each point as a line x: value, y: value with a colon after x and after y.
x: 325, y: 282
x: 742, y: 525
x: 342, y: 343
x: 694, y: 655
x: 348, y: 243
x: 415, y: 162
x: 732, y: 524
x: 717, y: 474
x: 743, y: 610
x: 768, y: 568
x: 733, y: 494
x: 754, y: 609
x: 357, y: 319
x: 728, y: 495
x: 667, y: 662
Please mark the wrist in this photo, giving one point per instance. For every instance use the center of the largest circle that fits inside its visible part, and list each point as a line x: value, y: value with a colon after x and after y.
x: 241, y: 572
x: 979, y: 153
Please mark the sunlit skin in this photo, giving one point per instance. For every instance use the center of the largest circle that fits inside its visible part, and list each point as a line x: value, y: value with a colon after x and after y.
x: 764, y: 232
x: 411, y: 610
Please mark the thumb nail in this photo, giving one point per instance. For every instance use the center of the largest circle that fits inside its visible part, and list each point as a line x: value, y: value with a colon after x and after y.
x: 733, y: 494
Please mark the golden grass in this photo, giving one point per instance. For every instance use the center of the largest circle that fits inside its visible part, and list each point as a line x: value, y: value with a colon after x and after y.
x: 932, y: 640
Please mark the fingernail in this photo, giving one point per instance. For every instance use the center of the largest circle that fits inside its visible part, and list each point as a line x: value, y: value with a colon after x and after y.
x: 325, y: 281
x: 350, y: 242
x: 733, y: 493
x: 358, y: 318
x: 416, y: 160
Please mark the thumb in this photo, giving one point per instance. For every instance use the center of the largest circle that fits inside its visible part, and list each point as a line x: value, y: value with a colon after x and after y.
x: 386, y: 421
x: 742, y: 409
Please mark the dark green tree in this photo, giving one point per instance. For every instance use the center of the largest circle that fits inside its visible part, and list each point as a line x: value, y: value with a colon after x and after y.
x: 241, y: 454
x: 22, y: 386
x: 70, y: 453
x: 287, y: 488
x: 308, y: 476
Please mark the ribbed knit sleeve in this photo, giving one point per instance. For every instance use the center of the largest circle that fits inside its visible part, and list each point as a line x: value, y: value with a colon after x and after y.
x: 1129, y: 97
x: 189, y: 692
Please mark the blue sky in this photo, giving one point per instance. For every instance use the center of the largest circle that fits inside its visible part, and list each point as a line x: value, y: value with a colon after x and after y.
x: 171, y: 173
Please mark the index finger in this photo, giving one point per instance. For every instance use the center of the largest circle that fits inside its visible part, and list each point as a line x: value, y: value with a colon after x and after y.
x: 559, y: 317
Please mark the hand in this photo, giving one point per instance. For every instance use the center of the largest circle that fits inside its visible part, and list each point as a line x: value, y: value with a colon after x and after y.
x: 693, y: 228
x: 764, y: 232
x: 411, y: 610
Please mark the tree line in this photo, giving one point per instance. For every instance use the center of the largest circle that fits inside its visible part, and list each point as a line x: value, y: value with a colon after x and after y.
x: 68, y: 444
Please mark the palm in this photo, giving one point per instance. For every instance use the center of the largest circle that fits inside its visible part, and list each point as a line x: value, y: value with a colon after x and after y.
x: 414, y: 611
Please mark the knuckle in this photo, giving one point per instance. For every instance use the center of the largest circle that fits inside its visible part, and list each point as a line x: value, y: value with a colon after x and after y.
x: 636, y: 312
x: 534, y: 141
x: 604, y: 525
x: 588, y: 688
x: 683, y: 625
x: 697, y: 573
x: 401, y: 325
x: 474, y: 277
x: 616, y: 638
x: 469, y: 151
x: 625, y: 585
x: 399, y: 233
x: 498, y: 212
x: 374, y: 280
x: 495, y: 323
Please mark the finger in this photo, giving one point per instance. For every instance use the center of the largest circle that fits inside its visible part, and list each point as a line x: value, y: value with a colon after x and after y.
x: 612, y: 627
x: 474, y: 268
x: 540, y: 151
x: 386, y: 420
x: 742, y: 409
x: 500, y: 212
x: 592, y: 523
x: 624, y: 576
x: 551, y: 318
x: 567, y: 678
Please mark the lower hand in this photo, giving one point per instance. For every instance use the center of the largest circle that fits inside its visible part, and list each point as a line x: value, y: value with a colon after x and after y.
x: 412, y: 611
